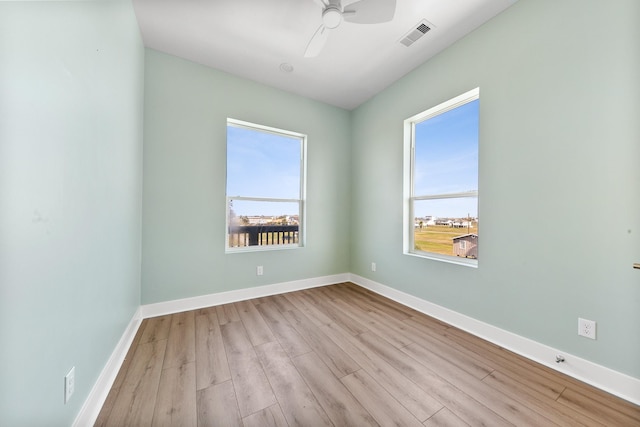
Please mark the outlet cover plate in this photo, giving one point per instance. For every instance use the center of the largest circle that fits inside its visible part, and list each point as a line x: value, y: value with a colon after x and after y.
x: 587, y: 328
x: 69, y: 384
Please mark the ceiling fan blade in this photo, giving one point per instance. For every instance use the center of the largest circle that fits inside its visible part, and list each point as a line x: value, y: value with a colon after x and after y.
x: 317, y: 42
x: 370, y: 11
x: 322, y: 3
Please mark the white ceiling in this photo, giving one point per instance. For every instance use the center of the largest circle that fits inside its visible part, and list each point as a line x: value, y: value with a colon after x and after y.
x: 252, y: 38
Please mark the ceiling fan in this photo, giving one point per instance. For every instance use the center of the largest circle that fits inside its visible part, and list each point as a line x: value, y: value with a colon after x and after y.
x: 358, y: 12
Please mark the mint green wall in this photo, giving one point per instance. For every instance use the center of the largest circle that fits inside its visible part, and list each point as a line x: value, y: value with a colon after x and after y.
x: 559, y: 177
x: 186, y: 108
x: 70, y: 199
x: 560, y: 196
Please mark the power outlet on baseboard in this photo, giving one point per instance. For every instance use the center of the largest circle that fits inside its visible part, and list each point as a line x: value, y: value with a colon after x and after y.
x: 373, y: 266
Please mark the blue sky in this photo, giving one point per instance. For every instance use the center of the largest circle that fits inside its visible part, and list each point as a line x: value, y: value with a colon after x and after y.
x: 446, y: 161
x: 262, y: 164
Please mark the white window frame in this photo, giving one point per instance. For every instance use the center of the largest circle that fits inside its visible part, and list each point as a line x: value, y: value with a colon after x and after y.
x: 301, y: 201
x: 408, y: 167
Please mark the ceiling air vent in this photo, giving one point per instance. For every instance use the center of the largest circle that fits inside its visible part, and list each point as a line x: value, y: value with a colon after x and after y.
x: 419, y: 30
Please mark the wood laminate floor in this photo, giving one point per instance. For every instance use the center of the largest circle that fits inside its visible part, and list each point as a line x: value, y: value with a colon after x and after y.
x: 338, y: 355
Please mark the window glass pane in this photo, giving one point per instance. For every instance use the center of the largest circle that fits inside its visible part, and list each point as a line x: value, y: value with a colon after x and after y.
x: 265, y: 194
x: 262, y: 164
x: 441, y: 225
x: 249, y: 212
x: 441, y: 153
x: 446, y: 152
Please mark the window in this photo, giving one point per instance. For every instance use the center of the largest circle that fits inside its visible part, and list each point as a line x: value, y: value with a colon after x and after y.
x: 441, y: 181
x: 265, y: 187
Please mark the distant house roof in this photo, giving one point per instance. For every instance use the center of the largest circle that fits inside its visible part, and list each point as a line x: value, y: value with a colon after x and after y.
x: 472, y: 235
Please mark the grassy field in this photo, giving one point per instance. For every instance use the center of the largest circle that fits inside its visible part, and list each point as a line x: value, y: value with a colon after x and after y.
x: 439, y: 238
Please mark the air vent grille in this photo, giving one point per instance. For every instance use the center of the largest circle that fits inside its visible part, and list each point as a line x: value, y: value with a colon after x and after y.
x: 419, y: 30
x: 423, y: 28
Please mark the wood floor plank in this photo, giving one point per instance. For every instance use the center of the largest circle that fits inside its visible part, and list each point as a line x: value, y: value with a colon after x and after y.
x: 382, y: 329
x: 281, y: 302
x: 176, y: 400
x: 312, y: 296
x: 386, y: 410
x: 445, y: 418
x: 598, y: 410
x: 555, y: 411
x: 204, y: 311
x: 421, y: 404
x: 217, y: 406
x: 463, y: 405
x: 503, y: 405
x: 260, y: 300
x: 335, y: 313
x: 342, y: 408
x: 211, y: 359
x: 268, y: 417
x: 591, y: 393
x: 308, y: 309
x: 256, y: 327
x: 460, y: 356
x: 227, y: 313
x: 415, y: 331
x: 393, y: 308
x: 369, y: 303
x: 136, y: 400
x: 339, y: 362
x: 430, y: 322
x: 298, y: 403
x: 252, y: 388
x: 181, y: 343
x: 288, y: 337
x: 330, y: 292
x: 328, y: 312
x: 463, y: 361
x: 156, y: 329
x: 361, y: 300
x: 535, y: 376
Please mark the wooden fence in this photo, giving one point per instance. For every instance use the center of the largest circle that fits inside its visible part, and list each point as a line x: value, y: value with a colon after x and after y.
x: 262, y: 235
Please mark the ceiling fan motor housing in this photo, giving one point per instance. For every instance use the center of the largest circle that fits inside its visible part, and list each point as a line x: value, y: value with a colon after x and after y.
x: 331, y: 16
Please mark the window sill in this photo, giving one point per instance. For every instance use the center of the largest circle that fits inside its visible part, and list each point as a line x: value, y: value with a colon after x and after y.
x: 466, y: 262
x: 265, y: 248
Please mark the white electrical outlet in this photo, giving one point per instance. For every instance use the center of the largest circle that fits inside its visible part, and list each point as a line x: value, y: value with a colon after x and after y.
x: 587, y: 328
x: 259, y: 270
x: 69, y: 384
x: 373, y: 266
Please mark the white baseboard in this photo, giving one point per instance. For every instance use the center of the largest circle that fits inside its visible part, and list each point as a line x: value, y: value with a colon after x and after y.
x: 176, y: 306
x: 616, y: 383
x: 100, y: 390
